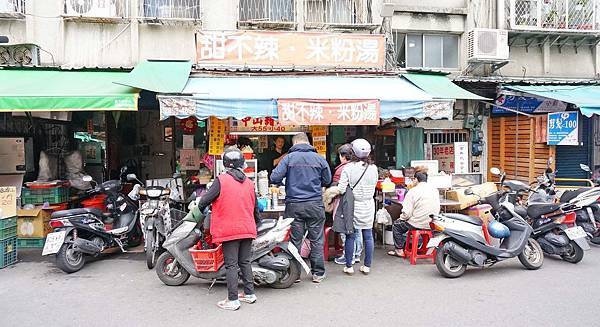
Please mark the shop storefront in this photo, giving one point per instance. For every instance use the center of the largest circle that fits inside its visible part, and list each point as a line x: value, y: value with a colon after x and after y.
x: 552, y: 122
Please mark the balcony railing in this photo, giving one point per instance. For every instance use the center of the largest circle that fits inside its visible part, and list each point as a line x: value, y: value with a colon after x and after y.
x: 171, y: 9
x: 12, y: 8
x: 319, y: 13
x: 554, y: 15
x: 274, y: 13
x: 97, y: 10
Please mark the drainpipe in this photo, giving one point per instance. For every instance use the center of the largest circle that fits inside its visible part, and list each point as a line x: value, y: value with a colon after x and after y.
x: 500, y: 14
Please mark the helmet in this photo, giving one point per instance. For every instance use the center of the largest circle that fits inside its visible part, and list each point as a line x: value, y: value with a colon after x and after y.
x: 498, y: 229
x: 361, y: 148
x: 233, y: 158
x: 345, y: 150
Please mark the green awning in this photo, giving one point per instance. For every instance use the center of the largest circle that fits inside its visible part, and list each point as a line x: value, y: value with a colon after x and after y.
x: 586, y: 97
x: 440, y: 87
x: 159, y: 76
x: 56, y: 90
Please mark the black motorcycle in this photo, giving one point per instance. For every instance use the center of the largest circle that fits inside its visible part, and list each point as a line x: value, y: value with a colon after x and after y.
x: 80, y: 232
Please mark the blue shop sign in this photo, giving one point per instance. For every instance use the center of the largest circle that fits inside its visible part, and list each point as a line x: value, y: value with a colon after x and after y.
x: 528, y: 104
x: 563, y: 128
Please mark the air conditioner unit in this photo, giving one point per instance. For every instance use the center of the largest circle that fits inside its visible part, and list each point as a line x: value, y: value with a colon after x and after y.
x: 91, y: 8
x: 20, y: 55
x: 488, y: 45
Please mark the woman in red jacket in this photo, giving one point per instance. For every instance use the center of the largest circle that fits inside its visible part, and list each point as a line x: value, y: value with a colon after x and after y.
x: 233, y: 221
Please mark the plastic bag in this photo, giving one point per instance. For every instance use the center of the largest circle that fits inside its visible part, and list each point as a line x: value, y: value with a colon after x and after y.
x: 75, y: 173
x: 48, y: 167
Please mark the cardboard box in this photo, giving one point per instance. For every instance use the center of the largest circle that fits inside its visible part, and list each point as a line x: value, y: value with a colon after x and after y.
x: 466, y: 201
x: 481, y: 210
x: 33, y: 223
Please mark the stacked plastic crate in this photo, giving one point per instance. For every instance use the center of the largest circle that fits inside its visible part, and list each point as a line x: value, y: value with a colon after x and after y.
x: 8, y: 226
x: 33, y: 223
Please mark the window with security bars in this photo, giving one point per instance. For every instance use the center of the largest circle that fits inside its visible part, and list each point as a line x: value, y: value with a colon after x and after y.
x: 171, y: 9
x: 257, y: 11
x: 446, y: 137
x: 341, y: 12
x: 12, y: 7
x: 568, y: 15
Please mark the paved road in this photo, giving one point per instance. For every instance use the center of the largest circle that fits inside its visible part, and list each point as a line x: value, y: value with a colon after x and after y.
x: 120, y: 291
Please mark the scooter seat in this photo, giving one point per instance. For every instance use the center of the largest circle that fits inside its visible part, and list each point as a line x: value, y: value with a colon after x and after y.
x: 78, y: 211
x: 467, y: 219
x: 570, y: 195
x: 117, y: 231
x: 536, y: 210
x: 265, y: 225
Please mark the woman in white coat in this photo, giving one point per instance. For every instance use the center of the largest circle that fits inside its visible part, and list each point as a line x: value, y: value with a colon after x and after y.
x: 360, y: 176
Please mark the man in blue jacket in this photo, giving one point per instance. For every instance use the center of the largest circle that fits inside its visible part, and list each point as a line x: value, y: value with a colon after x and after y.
x: 305, y: 172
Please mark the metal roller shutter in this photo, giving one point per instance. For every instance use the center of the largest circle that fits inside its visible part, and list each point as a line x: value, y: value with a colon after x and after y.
x: 569, y: 157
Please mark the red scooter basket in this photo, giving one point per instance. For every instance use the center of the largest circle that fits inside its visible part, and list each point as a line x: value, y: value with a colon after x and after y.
x: 207, y: 260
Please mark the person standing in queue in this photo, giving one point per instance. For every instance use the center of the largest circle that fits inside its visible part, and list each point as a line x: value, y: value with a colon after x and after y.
x: 360, y: 177
x: 233, y: 222
x: 273, y: 157
x: 306, y: 172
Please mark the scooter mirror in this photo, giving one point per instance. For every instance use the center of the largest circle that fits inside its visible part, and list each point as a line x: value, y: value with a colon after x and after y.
x: 87, y: 178
x: 469, y: 191
x: 495, y: 171
x: 585, y: 168
x: 550, y: 161
x: 131, y: 177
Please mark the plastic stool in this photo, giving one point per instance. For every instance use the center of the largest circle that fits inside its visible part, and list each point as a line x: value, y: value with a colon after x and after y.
x: 412, y: 249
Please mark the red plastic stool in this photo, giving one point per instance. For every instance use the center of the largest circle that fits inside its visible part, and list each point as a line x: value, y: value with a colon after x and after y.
x: 412, y: 249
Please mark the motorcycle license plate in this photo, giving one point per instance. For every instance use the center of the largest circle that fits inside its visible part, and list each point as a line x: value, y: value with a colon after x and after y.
x: 434, y: 242
x: 53, y: 242
x: 575, y: 232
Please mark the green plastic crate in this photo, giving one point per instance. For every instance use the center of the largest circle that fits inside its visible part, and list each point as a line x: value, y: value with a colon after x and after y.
x: 52, y: 195
x: 8, y: 232
x: 8, y: 252
x: 23, y: 243
x: 8, y: 222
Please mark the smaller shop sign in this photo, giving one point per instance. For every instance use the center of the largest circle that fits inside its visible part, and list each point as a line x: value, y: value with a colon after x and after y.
x: 189, y: 159
x: 452, y: 158
x: 328, y: 112
x: 216, y: 136
x: 527, y: 104
x: 266, y: 124
x: 563, y: 128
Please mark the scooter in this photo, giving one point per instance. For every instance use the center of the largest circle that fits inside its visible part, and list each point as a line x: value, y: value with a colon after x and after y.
x: 553, y: 224
x: 157, y: 218
x: 277, y: 269
x: 588, y: 217
x: 461, y: 243
x: 81, y: 232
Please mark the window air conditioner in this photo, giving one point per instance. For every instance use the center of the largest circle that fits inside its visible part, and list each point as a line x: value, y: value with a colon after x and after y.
x: 19, y: 55
x: 488, y: 45
x: 91, y: 8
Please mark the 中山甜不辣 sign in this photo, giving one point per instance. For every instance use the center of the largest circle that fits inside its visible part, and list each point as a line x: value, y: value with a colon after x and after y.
x: 290, y: 49
x: 328, y: 112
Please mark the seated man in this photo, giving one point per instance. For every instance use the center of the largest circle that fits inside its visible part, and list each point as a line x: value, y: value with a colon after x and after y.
x: 419, y: 203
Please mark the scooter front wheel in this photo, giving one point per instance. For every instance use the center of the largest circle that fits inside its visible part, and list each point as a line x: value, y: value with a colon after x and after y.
x: 169, y: 272
x: 151, y: 252
x: 289, y: 278
x: 448, y: 266
x: 532, y: 256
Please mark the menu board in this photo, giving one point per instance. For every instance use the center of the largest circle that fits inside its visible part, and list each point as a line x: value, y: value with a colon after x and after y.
x: 319, y: 136
x: 8, y: 202
x: 216, y: 136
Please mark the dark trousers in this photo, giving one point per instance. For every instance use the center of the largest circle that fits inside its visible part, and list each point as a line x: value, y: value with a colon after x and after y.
x: 237, y: 255
x: 309, y: 216
x: 399, y: 229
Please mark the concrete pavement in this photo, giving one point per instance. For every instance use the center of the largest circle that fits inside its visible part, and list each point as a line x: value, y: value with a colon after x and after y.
x: 120, y: 291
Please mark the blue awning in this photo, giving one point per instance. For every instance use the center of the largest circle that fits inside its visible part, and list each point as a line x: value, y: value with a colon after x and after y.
x: 586, y: 97
x: 241, y: 97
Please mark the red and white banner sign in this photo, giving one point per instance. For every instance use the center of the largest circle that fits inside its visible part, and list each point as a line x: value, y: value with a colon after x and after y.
x: 328, y: 112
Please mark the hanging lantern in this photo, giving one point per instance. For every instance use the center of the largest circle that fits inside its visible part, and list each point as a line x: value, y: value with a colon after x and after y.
x: 189, y: 125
